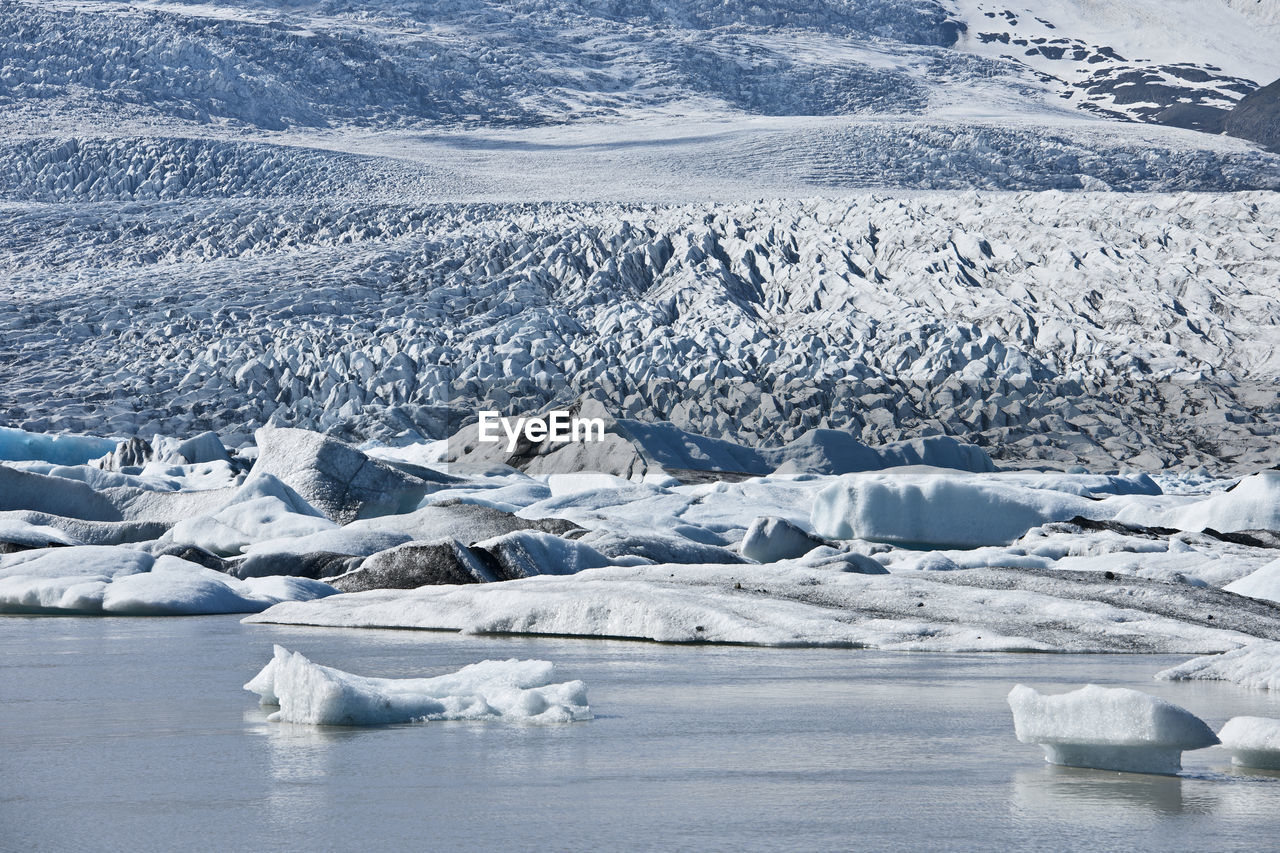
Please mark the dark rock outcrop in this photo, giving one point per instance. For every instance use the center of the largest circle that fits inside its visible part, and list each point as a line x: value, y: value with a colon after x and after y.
x: 1256, y: 117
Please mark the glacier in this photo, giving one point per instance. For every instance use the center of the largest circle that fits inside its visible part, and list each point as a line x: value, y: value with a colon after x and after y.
x: 916, y: 323
x: 899, y: 218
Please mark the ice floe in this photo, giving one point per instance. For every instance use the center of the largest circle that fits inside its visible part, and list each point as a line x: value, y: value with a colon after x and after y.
x: 508, y: 690
x: 1108, y: 728
x: 1253, y: 741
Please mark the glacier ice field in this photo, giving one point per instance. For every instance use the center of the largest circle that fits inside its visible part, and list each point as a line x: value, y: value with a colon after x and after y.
x: 942, y: 326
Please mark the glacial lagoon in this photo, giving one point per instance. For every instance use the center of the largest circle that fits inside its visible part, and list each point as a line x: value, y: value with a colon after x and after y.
x: 134, y: 733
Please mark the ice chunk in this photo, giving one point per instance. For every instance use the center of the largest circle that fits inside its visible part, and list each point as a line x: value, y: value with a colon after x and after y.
x: 94, y: 579
x: 466, y: 522
x: 938, y: 510
x: 133, y: 453
x: 1253, y: 741
x: 311, y: 564
x: 1253, y: 504
x: 262, y: 509
x: 527, y: 553
x: 25, y: 490
x: 19, y: 445
x: 205, y: 447
x: 583, y: 481
x: 770, y: 539
x: 656, y: 547
x: 512, y: 689
x: 939, y: 451
x: 416, y: 564
x: 1256, y: 665
x: 1108, y: 728
x: 337, y: 479
x: 1263, y: 584
x: 19, y: 535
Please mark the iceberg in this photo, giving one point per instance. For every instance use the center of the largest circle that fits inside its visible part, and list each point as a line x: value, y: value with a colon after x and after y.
x: 1253, y: 741
x: 939, y: 510
x: 1252, y: 504
x: 522, y: 690
x: 107, y: 580
x: 1263, y: 584
x: 1108, y: 728
x: 1255, y: 666
x: 770, y: 539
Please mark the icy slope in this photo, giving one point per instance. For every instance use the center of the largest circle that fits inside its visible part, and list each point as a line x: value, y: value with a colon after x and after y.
x: 529, y: 62
x: 1179, y: 62
x: 1118, y: 329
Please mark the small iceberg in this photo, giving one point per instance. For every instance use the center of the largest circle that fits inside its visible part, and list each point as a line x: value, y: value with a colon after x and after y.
x: 512, y: 689
x: 1108, y: 728
x: 1253, y: 741
x: 1255, y: 666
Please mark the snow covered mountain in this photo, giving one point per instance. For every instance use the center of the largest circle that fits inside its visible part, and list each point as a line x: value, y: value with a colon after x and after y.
x: 363, y: 217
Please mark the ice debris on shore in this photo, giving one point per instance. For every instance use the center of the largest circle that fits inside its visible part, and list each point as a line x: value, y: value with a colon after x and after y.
x: 1108, y: 728
x: 523, y: 690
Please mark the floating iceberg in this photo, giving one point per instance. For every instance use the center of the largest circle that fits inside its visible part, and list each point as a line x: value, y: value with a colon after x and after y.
x: 1253, y: 741
x: 1256, y: 666
x: 512, y: 689
x: 1108, y: 728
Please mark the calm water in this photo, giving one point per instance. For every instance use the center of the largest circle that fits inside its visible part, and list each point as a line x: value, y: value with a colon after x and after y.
x: 134, y: 734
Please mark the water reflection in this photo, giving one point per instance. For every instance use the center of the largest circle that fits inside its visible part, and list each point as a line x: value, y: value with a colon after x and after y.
x: 1103, y: 795
x: 301, y: 761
